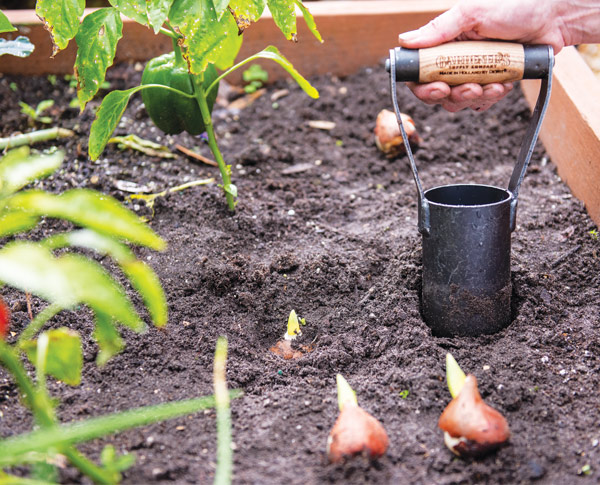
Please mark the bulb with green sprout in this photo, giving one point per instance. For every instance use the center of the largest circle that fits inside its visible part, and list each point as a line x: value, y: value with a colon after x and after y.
x: 355, y: 431
x: 471, y: 427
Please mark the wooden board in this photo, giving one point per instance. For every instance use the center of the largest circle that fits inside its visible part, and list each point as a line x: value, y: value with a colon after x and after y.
x: 571, y: 130
x: 356, y: 34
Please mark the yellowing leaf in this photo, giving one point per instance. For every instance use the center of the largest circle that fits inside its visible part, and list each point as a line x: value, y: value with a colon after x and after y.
x: 204, y: 35
x: 97, y: 41
x: 61, y: 19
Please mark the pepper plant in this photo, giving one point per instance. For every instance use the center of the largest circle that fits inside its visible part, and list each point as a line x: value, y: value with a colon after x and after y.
x: 179, y: 88
x: 67, y: 281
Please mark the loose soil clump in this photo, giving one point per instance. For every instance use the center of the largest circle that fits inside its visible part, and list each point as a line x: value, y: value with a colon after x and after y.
x: 326, y: 225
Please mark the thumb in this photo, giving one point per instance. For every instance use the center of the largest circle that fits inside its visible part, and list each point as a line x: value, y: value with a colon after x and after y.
x: 441, y: 29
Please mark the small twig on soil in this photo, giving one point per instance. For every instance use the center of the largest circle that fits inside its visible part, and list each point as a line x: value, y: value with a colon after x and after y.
x: 565, y: 256
x: 34, y: 137
x: 245, y: 101
x: 28, y: 300
x: 149, y: 198
x: 196, y: 156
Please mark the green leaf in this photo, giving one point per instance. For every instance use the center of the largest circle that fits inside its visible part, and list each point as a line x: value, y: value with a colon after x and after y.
x: 146, y: 12
x: 273, y: 53
x: 18, y: 168
x: 142, y: 277
x: 61, y: 19
x: 99, y: 290
x: 203, y: 33
x: 64, y: 360
x: 97, y: 41
x: 248, y: 10
x: 14, y: 450
x: 13, y: 222
x: 6, y: 479
x: 68, y: 280
x: 454, y: 376
x: 220, y: 6
x: 145, y: 281
x: 27, y: 110
x: 115, y: 463
x: 20, y: 47
x: 158, y: 11
x: 108, y: 338
x: 90, y: 209
x: 309, y: 19
x: 284, y: 16
x: 230, y: 47
x: 107, y: 118
x: 231, y: 189
x: 110, y: 112
x: 5, y: 25
x: 255, y: 73
x: 134, y: 9
x: 43, y: 106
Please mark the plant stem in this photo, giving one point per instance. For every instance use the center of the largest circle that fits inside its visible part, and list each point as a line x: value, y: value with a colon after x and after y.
x: 212, y: 141
x: 97, y: 474
x: 34, y: 137
x: 169, y: 33
x: 40, y: 406
x: 38, y: 322
x: 10, y: 360
x: 178, y: 57
x: 224, y: 452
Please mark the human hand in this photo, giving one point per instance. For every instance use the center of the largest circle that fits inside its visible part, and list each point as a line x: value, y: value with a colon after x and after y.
x: 525, y: 21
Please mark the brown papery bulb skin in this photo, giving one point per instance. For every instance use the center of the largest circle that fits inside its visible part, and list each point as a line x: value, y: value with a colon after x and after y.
x: 356, y: 432
x: 387, y: 132
x: 479, y: 427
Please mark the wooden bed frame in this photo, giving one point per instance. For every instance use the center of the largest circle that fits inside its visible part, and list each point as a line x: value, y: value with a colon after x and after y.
x: 359, y: 34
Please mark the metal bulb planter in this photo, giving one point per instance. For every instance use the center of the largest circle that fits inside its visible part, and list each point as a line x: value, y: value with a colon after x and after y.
x: 466, y: 228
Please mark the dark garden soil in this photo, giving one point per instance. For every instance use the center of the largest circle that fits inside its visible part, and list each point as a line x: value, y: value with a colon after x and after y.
x: 326, y: 225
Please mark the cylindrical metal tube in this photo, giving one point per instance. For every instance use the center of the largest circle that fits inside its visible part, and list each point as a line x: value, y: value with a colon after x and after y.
x: 466, y: 260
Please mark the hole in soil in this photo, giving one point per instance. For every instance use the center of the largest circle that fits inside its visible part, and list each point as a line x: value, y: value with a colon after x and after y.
x: 466, y: 195
x: 516, y: 300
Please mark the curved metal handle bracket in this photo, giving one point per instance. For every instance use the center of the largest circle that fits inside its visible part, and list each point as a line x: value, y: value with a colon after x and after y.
x: 424, y: 224
x: 531, y: 136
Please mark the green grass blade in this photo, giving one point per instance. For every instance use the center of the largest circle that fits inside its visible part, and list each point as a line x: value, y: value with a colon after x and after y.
x: 12, y: 449
x: 224, y: 451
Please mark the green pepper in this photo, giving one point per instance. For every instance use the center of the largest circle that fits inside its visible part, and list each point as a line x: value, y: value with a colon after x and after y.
x: 172, y: 112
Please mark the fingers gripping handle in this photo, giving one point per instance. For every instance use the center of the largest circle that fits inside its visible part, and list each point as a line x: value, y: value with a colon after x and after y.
x: 479, y: 62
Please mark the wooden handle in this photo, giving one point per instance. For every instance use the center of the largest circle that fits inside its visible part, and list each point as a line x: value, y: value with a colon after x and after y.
x: 479, y: 62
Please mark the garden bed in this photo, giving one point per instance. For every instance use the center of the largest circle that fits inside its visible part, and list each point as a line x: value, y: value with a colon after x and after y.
x: 326, y: 225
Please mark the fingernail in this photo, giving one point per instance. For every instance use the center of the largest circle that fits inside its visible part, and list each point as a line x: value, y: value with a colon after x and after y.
x: 467, y: 94
x: 408, y: 35
x: 437, y: 94
x: 492, y: 91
